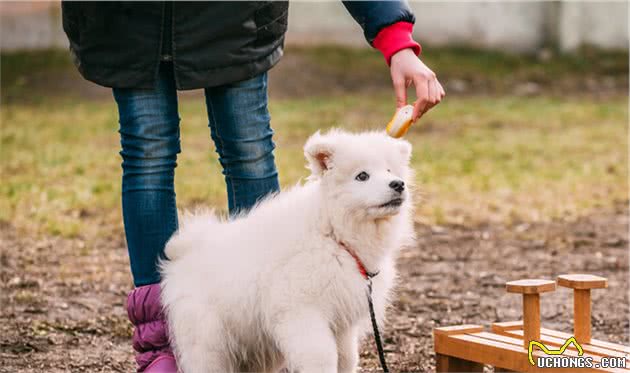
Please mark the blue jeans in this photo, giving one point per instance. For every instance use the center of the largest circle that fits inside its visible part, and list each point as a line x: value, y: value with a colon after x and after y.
x: 149, y: 135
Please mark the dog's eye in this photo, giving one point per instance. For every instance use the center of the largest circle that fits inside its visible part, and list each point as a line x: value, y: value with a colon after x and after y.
x: 362, y: 176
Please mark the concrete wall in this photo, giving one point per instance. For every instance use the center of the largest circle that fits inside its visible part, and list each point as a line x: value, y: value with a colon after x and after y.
x: 515, y: 26
x: 512, y: 26
x: 604, y: 24
x: 31, y: 25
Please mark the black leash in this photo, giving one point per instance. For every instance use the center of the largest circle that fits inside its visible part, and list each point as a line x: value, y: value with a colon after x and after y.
x: 377, y: 335
x: 367, y: 275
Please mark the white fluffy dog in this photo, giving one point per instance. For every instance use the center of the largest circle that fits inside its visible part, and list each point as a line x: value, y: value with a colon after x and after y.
x: 281, y: 285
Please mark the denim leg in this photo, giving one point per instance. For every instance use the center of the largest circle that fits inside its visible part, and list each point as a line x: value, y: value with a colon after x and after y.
x: 149, y: 136
x: 240, y: 129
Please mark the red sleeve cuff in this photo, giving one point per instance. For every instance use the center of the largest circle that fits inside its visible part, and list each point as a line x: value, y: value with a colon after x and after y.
x: 394, y: 38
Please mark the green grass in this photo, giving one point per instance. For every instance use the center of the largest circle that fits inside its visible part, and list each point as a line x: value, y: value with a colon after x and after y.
x: 22, y: 70
x: 33, y: 76
x: 21, y: 63
x: 477, y: 159
x: 496, y: 69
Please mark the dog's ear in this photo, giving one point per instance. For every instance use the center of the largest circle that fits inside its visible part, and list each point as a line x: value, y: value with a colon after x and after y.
x: 405, y: 148
x: 318, y: 151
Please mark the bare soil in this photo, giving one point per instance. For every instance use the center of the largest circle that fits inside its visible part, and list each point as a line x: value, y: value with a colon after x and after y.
x: 63, y: 299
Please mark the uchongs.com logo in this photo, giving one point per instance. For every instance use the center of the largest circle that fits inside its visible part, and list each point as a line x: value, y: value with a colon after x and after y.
x: 558, y: 358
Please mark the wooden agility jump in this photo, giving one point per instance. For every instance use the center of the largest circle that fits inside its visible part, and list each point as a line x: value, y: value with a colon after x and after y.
x: 506, y: 347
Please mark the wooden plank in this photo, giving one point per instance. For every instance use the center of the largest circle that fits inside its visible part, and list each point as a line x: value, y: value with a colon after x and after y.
x: 458, y: 329
x: 555, y: 341
x: 594, y: 342
x: 499, y: 327
x: 518, y: 342
x: 507, y: 325
x: 513, y: 340
x: 498, y: 354
x: 472, y: 350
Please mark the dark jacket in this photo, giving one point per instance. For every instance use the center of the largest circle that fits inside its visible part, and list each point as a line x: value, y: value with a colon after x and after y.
x: 121, y: 44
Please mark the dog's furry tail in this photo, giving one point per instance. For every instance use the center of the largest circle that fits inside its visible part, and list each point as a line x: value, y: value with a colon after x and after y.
x: 192, y: 226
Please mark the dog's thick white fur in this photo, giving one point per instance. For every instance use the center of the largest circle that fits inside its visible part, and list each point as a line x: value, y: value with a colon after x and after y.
x: 275, y: 287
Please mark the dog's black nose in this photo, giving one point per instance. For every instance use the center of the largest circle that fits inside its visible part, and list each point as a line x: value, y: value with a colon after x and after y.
x: 397, y: 185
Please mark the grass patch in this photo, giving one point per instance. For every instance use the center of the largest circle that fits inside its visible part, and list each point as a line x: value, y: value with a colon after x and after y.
x: 477, y: 159
x: 23, y: 70
x: 21, y: 63
x: 325, y: 70
x: 495, y: 68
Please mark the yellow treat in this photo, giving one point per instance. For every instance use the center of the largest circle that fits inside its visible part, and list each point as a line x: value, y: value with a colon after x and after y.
x: 400, y: 123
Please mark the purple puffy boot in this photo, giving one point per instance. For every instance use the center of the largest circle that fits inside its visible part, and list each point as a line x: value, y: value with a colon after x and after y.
x: 150, y: 337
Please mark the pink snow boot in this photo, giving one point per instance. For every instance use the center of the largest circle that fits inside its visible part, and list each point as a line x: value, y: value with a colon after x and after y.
x: 150, y: 337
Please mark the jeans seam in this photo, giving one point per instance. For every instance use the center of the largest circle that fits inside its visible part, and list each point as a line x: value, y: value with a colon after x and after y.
x: 213, y: 123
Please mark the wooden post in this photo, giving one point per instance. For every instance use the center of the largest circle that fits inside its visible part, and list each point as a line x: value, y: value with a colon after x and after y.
x: 582, y: 285
x: 582, y: 315
x: 531, y: 318
x: 444, y: 364
x: 531, y: 290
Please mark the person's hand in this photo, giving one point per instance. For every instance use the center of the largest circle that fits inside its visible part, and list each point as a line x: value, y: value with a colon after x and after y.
x: 406, y: 68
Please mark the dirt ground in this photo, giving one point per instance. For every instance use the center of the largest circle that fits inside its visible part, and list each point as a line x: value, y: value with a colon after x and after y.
x: 63, y: 300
